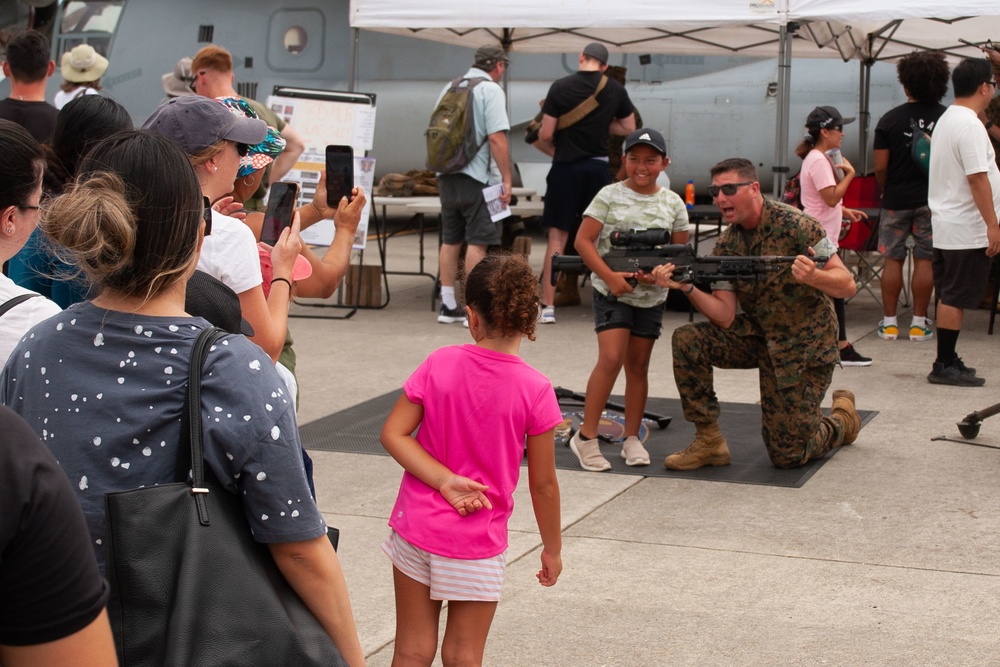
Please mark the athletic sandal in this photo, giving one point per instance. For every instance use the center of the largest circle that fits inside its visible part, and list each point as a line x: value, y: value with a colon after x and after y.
x: 634, y: 453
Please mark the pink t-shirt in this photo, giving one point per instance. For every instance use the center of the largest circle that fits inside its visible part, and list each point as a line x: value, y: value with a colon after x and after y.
x: 817, y: 174
x: 478, y: 407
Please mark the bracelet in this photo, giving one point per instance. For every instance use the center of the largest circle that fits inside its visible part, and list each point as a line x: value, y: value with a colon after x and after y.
x: 689, y: 290
x: 282, y: 280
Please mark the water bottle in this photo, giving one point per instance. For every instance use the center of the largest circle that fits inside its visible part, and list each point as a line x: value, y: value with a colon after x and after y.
x: 689, y: 194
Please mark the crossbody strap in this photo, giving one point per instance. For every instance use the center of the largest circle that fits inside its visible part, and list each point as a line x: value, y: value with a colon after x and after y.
x: 15, y: 301
x: 191, y: 452
x: 582, y: 109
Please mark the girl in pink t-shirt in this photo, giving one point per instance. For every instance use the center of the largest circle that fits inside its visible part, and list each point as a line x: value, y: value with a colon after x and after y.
x: 473, y: 407
x: 824, y: 179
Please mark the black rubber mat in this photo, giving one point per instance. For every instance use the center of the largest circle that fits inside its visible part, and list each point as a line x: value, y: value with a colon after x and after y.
x: 356, y: 430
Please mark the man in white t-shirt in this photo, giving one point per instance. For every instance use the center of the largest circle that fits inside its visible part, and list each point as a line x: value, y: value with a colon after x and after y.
x: 964, y: 196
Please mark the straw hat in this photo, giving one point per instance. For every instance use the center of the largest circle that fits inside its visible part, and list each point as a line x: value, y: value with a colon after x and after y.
x: 83, y: 64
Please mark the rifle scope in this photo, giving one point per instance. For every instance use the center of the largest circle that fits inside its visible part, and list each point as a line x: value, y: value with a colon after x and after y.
x: 641, y: 237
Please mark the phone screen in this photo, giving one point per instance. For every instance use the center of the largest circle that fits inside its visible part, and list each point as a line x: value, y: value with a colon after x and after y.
x: 339, y: 174
x: 280, y: 208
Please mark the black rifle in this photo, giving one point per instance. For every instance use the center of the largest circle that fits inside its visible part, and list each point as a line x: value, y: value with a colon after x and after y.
x: 643, y: 250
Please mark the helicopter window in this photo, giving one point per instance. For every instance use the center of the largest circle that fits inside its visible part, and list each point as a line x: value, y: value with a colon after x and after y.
x: 81, y: 16
x: 296, y: 39
x: 92, y: 23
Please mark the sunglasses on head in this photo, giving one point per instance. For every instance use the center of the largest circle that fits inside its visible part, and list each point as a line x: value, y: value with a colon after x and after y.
x: 729, y: 189
x: 206, y: 215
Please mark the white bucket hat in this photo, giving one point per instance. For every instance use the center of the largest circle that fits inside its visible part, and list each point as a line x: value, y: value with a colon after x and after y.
x: 83, y: 64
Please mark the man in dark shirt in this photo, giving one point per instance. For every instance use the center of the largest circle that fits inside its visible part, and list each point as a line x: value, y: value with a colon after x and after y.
x: 924, y: 76
x: 579, y: 151
x: 28, y: 64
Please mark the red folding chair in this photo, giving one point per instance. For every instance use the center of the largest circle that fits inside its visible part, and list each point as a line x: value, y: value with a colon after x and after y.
x: 857, y: 240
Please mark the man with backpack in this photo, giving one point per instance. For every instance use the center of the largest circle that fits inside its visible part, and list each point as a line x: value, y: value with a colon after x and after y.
x: 579, y: 113
x: 470, y: 152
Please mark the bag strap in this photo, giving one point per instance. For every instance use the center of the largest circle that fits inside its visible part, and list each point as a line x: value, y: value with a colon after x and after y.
x: 15, y: 301
x: 473, y: 82
x: 583, y: 108
x: 191, y: 452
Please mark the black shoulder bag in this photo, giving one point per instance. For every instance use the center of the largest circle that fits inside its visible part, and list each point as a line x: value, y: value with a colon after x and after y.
x: 189, y: 586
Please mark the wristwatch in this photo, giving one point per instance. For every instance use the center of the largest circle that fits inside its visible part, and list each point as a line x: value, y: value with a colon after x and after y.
x: 689, y: 290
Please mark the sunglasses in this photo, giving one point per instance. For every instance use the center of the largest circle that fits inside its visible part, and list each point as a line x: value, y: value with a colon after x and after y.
x: 206, y: 215
x: 29, y: 207
x: 242, y: 149
x: 729, y: 189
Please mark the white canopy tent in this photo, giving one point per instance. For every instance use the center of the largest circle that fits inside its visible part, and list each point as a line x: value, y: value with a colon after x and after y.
x: 863, y: 30
x: 848, y: 29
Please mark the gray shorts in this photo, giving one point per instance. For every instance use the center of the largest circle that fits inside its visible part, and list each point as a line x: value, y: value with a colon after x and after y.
x: 610, y: 313
x: 896, y: 226
x: 960, y: 276
x: 464, y: 216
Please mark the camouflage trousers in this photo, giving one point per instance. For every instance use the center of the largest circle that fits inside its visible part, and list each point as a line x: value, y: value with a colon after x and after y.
x: 792, y: 425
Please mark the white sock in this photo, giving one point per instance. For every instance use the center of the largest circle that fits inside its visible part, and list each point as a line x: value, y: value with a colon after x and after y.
x: 887, y: 321
x: 448, y: 297
x: 919, y: 321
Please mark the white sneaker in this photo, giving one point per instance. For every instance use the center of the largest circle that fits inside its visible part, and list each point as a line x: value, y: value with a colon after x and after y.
x: 548, y: 315
x: 589, y: 453
x: 634, y: 453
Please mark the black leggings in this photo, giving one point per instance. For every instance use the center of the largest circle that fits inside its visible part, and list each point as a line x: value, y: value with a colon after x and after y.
x: 838, y: 307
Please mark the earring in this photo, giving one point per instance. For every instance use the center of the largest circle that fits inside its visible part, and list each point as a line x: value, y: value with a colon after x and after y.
x: 10, y: 230
x: 246, y: 182
x: 215, y: 169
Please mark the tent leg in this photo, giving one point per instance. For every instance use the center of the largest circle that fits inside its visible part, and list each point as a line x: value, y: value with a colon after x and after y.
x: 780, y: 168
x: 353, y: 62
x: 864, y: 114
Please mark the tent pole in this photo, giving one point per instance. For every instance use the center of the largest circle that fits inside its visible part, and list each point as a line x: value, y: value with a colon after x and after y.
x: 780, y: 168
x: 353, y: 60
x: 864, y: 113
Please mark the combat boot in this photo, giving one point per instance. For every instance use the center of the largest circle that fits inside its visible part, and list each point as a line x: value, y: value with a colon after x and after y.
x: 844, y: 412
x: 708, y: 449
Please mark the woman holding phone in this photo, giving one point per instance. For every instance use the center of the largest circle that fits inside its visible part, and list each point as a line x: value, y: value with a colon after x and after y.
x: 221, y: 146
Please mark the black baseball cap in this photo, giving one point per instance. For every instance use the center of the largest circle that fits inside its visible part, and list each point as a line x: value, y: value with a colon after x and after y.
x: 648, y: 136
x: 215, y: 301
x: 824, y: 117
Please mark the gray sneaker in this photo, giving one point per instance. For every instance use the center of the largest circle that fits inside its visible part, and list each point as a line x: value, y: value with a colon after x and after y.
x: 589, y: 453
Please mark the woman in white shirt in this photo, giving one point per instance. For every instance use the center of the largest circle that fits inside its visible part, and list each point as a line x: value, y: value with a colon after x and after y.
x: 82, y: 69
x: 20, y: 200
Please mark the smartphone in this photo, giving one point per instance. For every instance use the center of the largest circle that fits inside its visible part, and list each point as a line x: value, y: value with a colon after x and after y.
x: 280, y: 209
x: 339, y: 174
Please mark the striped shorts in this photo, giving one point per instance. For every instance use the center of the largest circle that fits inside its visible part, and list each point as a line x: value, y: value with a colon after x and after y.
x: 448, y: 578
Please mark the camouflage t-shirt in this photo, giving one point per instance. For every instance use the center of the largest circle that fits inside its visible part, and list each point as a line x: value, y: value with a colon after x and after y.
x: 796, y: 320
x: 620, y: 209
